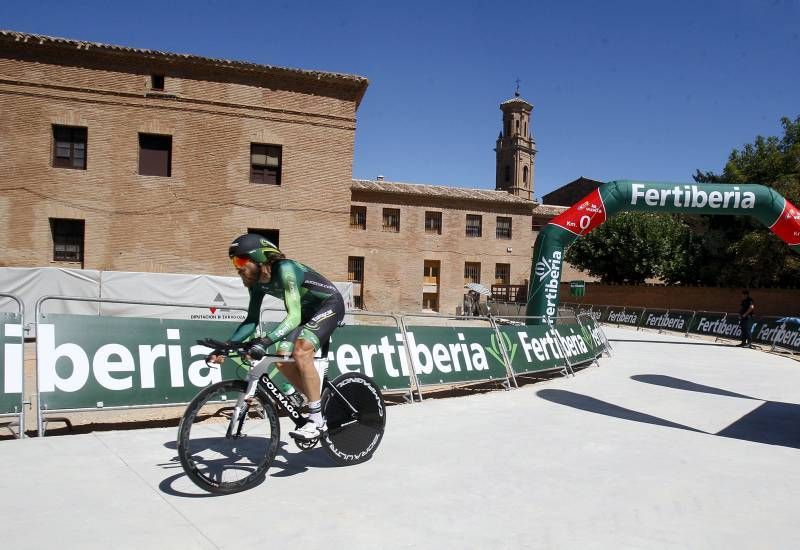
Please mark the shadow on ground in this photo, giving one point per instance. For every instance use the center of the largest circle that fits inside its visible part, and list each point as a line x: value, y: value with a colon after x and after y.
x: 771, y: 423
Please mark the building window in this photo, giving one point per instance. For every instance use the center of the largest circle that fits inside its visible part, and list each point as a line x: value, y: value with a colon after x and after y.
x: 391, y: 220
x: 503, y: 229
x: 508, y: 173
x: 536, y: 225
x: 430, y: 272
x: 524, y: 174
x: 433, y: 222
x: 355, y: 274
x: 355, y: 269
x: 474, y: 223
x: 272, y: 235
x: 69, y: 147
x: 67, y: 240
x: 430, y: 301
x: 155, y: 155
x: 472, y: 272
x: 265, y: 163
x: 517, y: 125
x: 502, y: 274
x: 358, y: 217
x: 157, y: 82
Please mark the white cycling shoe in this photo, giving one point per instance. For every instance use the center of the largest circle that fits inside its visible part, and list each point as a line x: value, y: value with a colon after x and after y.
x: 308, y: 431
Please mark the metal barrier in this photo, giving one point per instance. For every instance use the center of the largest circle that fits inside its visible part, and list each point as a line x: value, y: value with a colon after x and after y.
x: 10, y: 360
x: 444, y: 358
x: 70, y: 402
x: 593, y: 322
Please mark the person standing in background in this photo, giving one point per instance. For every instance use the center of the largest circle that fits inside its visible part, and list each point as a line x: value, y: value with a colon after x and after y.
x: 746, y: 319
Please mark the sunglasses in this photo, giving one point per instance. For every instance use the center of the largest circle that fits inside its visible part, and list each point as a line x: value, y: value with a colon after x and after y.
x: 240, y: 261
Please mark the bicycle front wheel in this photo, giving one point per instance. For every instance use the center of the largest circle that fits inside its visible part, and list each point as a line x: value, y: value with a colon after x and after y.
x: 221, y: 456
x: 356, y: 417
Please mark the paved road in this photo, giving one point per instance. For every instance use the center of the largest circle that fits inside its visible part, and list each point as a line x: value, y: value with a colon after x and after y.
x: 672, y: 443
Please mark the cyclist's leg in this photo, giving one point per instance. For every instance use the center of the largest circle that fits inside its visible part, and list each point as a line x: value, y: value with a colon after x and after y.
x: 312, y: 335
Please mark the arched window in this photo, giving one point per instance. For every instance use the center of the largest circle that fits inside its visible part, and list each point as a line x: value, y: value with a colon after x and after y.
x: 524, y: 174
x: 525, y: 130
x: 517, y: 125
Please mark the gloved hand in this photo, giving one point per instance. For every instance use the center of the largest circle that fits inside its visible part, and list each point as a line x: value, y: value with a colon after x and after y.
x: 257, y: 348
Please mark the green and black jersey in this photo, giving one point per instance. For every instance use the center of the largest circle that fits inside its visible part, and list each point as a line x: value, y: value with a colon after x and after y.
x: 304, y: 292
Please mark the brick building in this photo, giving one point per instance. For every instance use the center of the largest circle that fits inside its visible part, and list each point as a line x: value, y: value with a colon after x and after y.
x: 117, y: 158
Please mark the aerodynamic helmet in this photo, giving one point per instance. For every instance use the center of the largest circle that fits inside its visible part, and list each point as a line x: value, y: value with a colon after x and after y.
x: 255, y: 247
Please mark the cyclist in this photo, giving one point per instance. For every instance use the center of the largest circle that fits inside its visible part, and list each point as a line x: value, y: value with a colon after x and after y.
x: 314, y: 308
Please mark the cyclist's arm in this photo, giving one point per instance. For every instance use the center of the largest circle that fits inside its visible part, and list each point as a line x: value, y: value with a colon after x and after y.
x: 291, y: 299
x: 250, y: 323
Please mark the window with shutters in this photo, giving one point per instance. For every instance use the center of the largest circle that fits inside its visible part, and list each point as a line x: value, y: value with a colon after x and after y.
x: 155, y: 155
x: 265, y: 163
x: 69, y: 147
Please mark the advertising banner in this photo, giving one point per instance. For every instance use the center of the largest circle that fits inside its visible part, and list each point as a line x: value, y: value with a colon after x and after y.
x: 534, y: 348
x: 784, y: 334
x: 623, y: 316
x: 443, y: 355
x: 666, y: 320
x: 717, y: 324
x: 11, y: 342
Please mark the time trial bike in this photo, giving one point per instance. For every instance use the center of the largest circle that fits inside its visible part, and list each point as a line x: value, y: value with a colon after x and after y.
x: 230, y: 432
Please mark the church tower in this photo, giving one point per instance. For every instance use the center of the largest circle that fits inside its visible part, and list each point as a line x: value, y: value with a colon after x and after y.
x: 516, y: 149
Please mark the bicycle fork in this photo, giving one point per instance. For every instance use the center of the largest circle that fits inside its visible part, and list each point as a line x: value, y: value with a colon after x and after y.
x: 242, y: 406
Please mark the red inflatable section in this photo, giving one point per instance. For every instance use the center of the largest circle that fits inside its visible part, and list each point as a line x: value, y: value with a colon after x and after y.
x: 583, y: 216
x: 787, y: 227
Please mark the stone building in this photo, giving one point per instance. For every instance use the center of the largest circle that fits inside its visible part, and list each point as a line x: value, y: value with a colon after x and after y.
x: 116, y: 158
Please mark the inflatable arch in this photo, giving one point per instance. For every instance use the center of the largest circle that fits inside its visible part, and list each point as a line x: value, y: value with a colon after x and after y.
x: 761, y: 202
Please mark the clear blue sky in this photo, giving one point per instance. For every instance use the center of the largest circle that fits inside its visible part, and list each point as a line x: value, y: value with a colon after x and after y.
x: 633, y: 89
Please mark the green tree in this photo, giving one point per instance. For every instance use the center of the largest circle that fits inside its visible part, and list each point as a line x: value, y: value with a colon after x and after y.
x: 738, y: 251
x: 632, y: 247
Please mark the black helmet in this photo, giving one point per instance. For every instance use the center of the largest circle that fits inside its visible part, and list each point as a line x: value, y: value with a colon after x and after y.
x: 256, y: 247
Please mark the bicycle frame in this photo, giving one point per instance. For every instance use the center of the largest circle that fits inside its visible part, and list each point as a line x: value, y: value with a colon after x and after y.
x: 259, y: 376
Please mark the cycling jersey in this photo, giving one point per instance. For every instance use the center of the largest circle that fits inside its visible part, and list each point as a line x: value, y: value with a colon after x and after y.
x: 312, y: 302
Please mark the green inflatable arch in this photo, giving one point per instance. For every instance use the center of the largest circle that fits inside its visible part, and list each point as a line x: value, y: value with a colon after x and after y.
x: 759, y: 201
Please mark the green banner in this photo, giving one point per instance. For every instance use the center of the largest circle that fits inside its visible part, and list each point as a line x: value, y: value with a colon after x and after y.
x: 758, y: 201
x: 783, y: 334
x: 536, y: 348
x: 378, y: 352
x: 720, y: 325
x: 623, y: 316
x: 11, y: 343
x: 444, y: 355
x: 662, y: 319
x: 85, y: 361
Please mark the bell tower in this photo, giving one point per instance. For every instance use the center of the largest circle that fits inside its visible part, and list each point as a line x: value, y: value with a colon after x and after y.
x: 516, y: 149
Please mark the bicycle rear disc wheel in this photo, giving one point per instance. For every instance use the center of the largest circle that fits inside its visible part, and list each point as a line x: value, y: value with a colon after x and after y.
x: 353, y: 438
x: 222, y: 463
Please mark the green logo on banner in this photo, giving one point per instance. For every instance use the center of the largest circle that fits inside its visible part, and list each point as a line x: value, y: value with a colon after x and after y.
x: 496, y: 352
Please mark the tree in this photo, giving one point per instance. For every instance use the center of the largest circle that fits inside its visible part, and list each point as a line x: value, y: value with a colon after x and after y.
x: 632, y: 247
x: 739, y: 251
